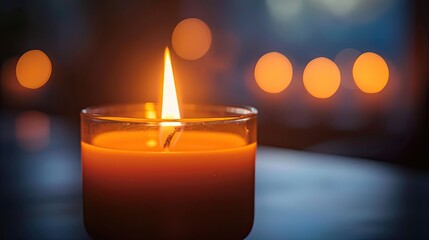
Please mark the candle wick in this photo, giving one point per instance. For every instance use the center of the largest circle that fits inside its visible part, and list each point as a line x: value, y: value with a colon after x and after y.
x: 170, y: 137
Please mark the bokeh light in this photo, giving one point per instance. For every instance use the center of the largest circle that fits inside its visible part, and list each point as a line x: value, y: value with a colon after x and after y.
x: 33, y: 69
x: 191, y: 38
x: 273, y: 72
x: 284, y: 10
x: 363, y: 11
x: 345, y: 60
x: 32, y: 130
x: 321, y: 77
x: 338, y: 7
x: 370, y: 72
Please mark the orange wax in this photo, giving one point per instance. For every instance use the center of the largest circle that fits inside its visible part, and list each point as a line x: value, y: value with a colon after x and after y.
x: 202, y: 188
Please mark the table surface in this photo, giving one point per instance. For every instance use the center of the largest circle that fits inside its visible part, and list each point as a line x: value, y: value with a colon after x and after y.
x: 299, y: 195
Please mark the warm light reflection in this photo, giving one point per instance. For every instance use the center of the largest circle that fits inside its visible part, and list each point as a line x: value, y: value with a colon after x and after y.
x: 370, y: 72
x: 33, y: 69
x: 273, y: 72
x: 150, y: 111
x: 170, y: 104
x: 151, y: 143
x: 191, y: 38
x: 32, y: 130
x: 321, y: 77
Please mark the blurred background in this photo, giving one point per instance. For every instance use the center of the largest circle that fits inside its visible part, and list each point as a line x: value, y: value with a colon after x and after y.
x: 347, y: 78
x: 112, y: 52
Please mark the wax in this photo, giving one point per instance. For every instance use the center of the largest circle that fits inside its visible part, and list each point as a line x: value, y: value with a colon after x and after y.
x: 201, y: 188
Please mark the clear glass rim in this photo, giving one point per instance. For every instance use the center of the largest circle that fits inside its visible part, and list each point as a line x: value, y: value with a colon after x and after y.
x: 236, y: 113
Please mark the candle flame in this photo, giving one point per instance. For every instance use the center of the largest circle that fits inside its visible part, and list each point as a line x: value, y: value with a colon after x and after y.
x: 169, y: 131
x: 170, y: 105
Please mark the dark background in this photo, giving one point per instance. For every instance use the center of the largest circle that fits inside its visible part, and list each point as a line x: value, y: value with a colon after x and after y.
x: 112, y: 52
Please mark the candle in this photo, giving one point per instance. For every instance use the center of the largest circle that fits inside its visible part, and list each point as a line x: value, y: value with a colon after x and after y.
x: 186, y: 175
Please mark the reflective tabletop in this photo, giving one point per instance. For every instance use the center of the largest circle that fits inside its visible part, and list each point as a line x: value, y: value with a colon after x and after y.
x: 299, y: 195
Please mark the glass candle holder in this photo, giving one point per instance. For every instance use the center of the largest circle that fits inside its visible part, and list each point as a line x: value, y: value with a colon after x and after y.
x: 150, y: 178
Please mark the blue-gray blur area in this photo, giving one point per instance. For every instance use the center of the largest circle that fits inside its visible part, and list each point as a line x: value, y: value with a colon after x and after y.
x: 352, y: 166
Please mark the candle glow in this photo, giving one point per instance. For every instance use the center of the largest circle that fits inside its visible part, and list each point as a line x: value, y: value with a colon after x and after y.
x: 170, y: 105
x: 196, y: 181
x: 169, y: 133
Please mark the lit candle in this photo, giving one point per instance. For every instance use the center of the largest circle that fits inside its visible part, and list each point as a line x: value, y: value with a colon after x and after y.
x: 188, y: 174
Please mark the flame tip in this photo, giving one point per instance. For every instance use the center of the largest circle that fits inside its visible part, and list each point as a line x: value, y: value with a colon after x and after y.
x: 167, y: 50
